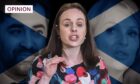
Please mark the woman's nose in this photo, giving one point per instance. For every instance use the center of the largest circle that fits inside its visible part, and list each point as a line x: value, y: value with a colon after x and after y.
x: 73, y: 28
x: 123, y: 40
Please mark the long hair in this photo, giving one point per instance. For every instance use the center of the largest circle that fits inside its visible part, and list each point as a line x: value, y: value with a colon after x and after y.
x: 55, y: 45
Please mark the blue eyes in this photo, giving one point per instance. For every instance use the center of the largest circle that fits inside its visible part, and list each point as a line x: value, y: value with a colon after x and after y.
x: 79, y: 24
x: 130, y: 32
x: 67, y: 25
x: 70, y: 24
x: 20, y: 31
x: 133, y: 33
x: 40, y: 32
x: 15, y: 31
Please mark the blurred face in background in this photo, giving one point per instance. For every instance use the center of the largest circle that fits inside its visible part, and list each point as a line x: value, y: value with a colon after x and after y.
x: 121, y: 41
x: 18, y: 41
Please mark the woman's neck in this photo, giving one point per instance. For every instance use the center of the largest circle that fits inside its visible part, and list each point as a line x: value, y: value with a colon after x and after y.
x: 73, y: 56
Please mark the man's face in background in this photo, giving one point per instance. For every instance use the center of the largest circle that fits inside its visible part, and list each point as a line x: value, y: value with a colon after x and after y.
x: 19, y: 41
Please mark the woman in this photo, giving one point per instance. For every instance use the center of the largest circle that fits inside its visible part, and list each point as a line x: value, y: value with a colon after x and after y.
x: 69, y: 57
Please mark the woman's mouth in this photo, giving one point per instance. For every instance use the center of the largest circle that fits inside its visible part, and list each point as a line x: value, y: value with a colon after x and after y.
x: 73, y: 37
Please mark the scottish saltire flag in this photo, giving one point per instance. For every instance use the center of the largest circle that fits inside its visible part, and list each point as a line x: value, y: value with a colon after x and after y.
x: 115, y: 27
x: 112, y: 20
x: 22, y: 37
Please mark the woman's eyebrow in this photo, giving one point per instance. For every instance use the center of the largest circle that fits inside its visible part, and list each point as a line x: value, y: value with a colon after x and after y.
x: 80, y: 19
x: 66, y: 19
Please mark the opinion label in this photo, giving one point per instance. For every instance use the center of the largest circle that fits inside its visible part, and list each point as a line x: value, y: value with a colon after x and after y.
x: 18, y: 8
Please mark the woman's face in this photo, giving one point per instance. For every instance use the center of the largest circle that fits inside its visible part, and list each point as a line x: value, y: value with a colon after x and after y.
x: 121, y: 41
x: 72, y: 28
